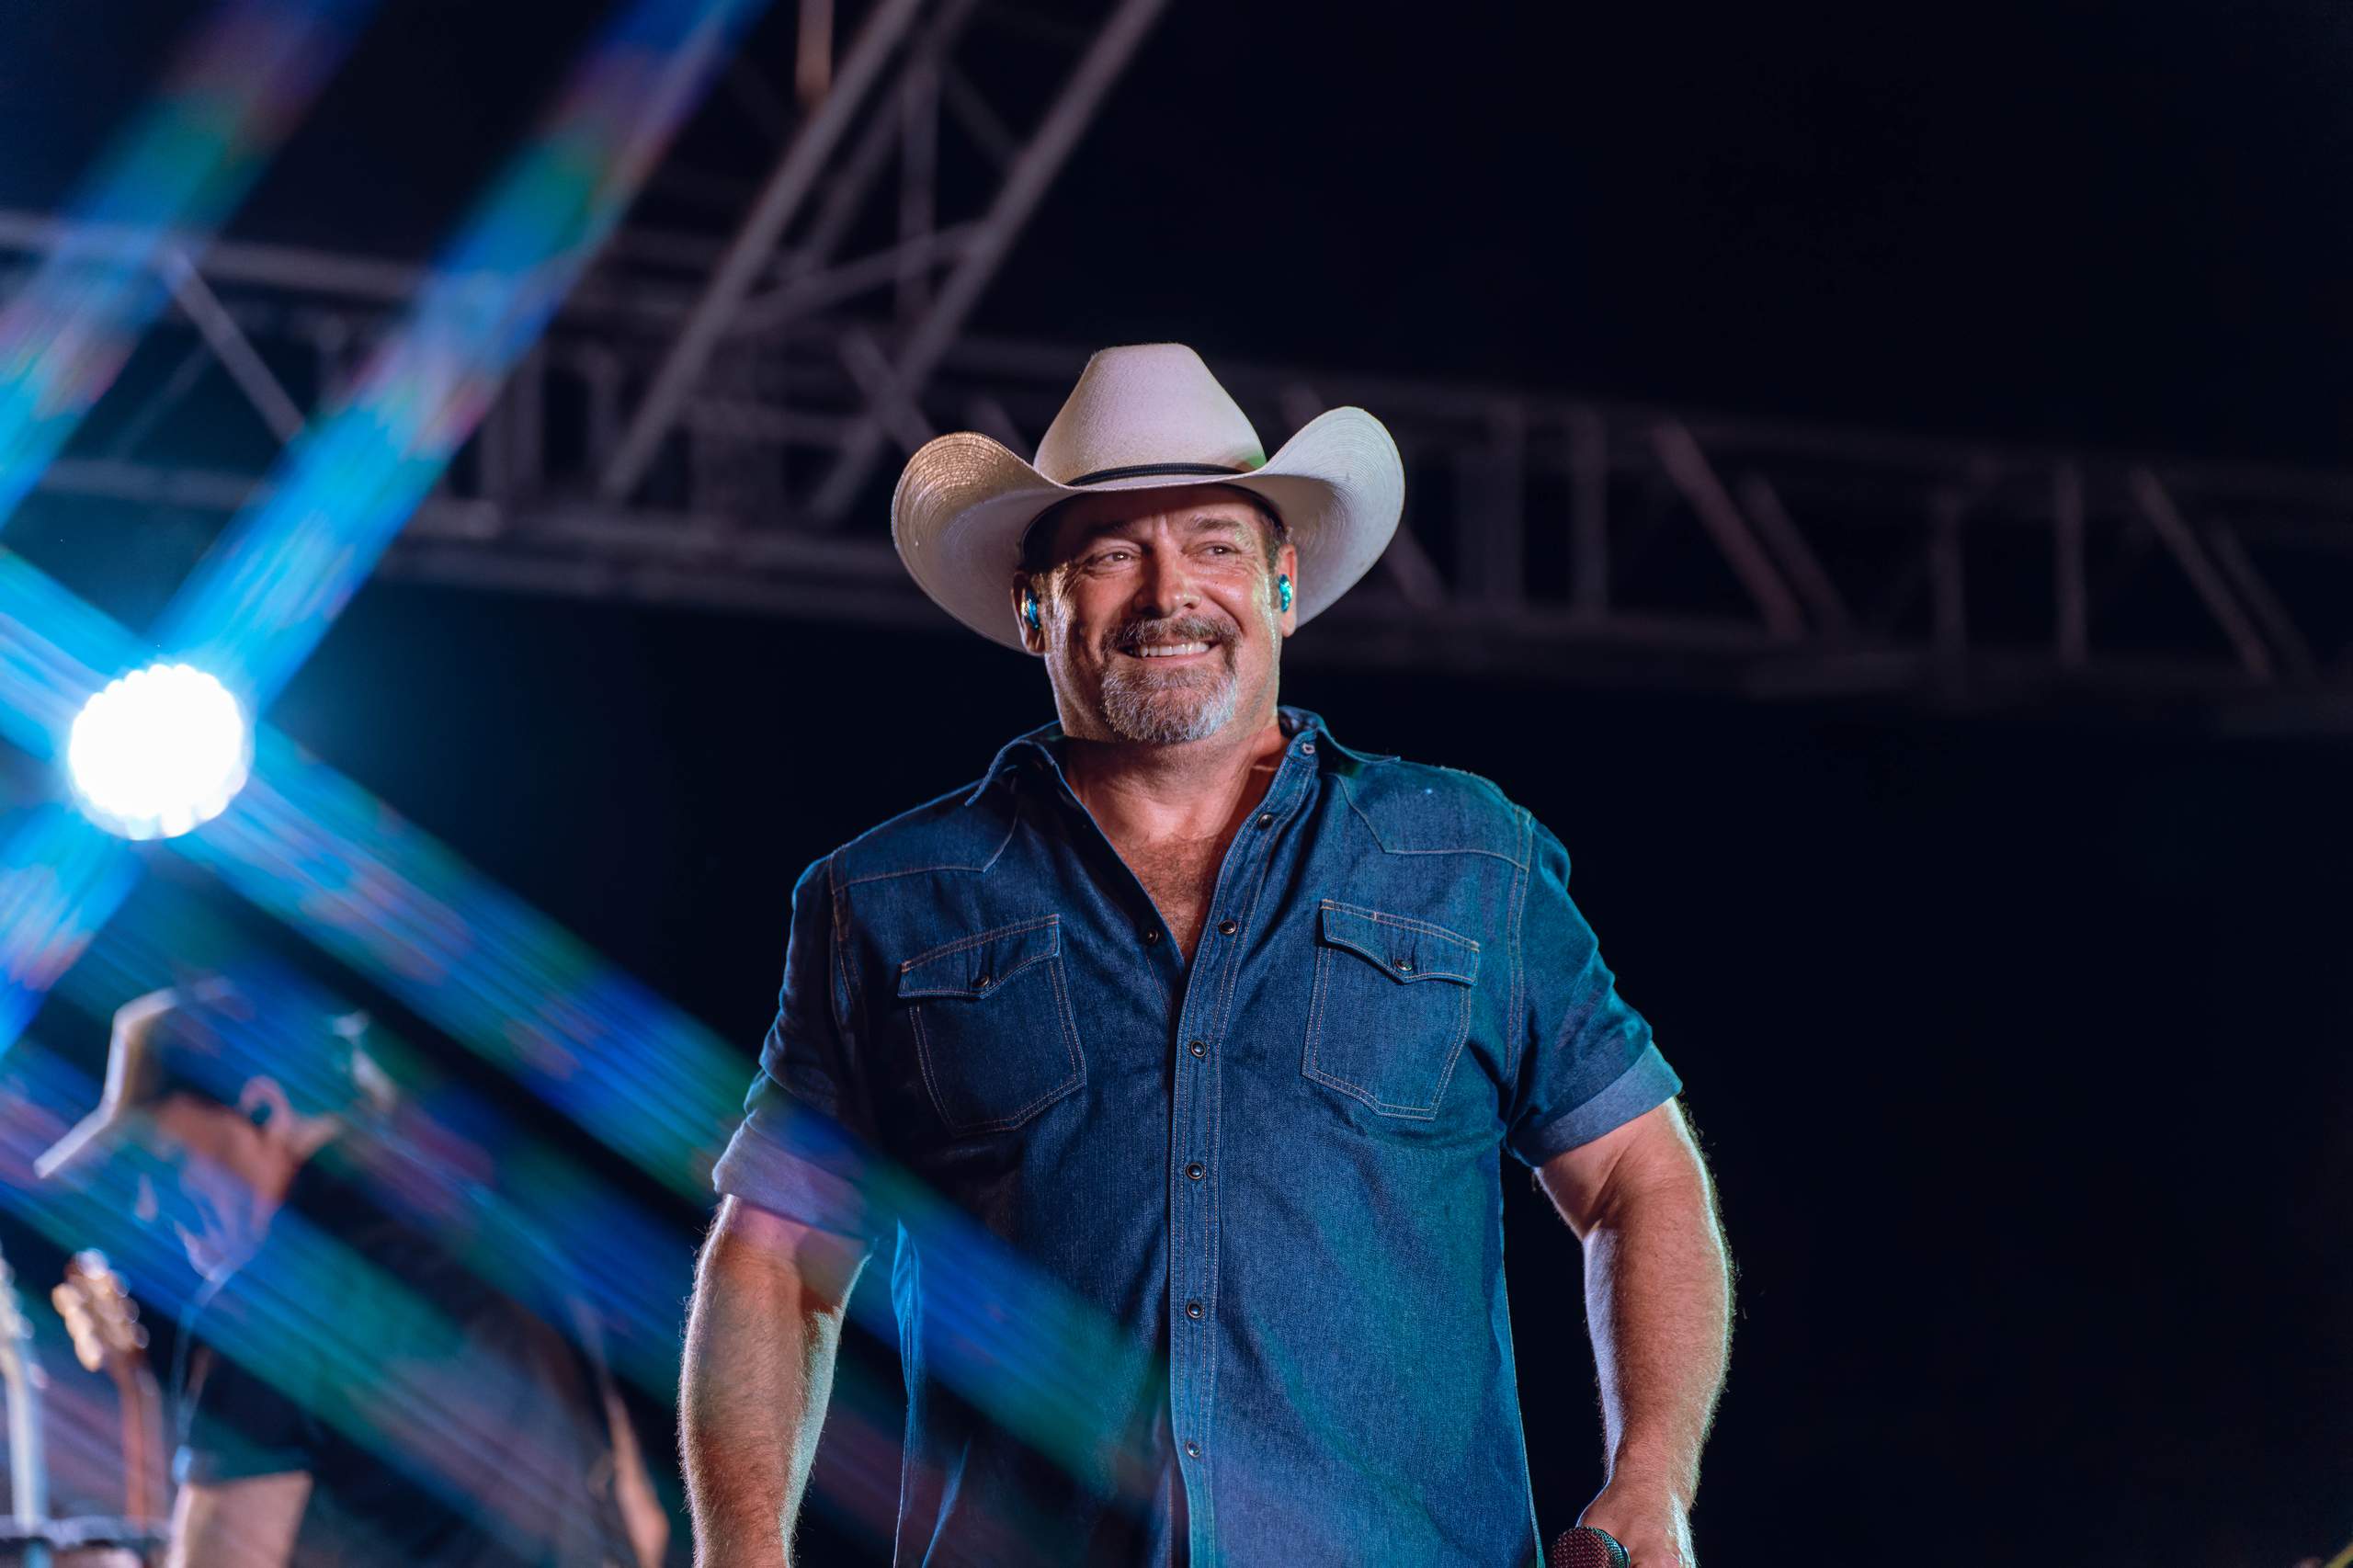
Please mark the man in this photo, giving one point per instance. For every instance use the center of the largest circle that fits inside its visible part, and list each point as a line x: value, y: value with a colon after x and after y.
x: 351, y: 1392
x: 1221, y: 1025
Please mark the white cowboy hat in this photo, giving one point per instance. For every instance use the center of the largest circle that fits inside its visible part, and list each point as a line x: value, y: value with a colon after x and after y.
x: 1143, y: 418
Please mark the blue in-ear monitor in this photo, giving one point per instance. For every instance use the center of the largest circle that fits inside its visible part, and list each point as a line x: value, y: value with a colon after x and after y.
x: 1029, y: 609
x: 1282, y: 585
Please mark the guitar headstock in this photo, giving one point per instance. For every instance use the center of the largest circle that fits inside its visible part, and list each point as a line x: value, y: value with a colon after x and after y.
x: 100, y: 1315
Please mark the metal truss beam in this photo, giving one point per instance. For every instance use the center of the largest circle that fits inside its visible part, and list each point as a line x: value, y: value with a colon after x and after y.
x: 896, y: 77
x: 1577, y: 539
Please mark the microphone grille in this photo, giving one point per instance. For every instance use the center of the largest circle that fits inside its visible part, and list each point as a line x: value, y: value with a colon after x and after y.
x: 1585, y: 1548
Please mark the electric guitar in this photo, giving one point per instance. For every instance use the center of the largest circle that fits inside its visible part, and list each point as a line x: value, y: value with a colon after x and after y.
x: 110, y: 1338
x: 20, y: 1379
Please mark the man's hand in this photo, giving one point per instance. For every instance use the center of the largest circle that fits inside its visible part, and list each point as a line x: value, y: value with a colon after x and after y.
x: 1650, y: 1522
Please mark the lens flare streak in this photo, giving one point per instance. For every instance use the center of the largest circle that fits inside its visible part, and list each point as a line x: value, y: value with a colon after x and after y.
x: 284, y: 569
x: 330, y: 860
x: 161, y: 191
x: 60, y: 881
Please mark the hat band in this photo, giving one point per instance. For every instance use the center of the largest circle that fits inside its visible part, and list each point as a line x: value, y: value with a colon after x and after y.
x: 1139, y: 471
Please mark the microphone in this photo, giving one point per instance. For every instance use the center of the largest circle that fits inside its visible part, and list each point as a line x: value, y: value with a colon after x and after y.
x: 1584, y: 1547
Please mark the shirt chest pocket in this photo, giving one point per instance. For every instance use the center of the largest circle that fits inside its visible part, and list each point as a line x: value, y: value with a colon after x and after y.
x: 1392, y: 1007
x: 994, y: 1031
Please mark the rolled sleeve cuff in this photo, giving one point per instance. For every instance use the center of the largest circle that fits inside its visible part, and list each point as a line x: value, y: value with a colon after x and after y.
x: 758, y: 1168
x: 1644, y: 1087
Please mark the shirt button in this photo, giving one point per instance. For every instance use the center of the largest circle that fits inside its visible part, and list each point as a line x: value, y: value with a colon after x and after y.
x: 1228, y: 927
x: 1266, y: 819
x: 1196, y: 1170
x: 1404, y: 966
x: 1151, y: 934
x: 1193, y: 1450
x: 981, y: 981
x: 1198, y: 1046
x: 1193, y: 1309
x: 1307, y: 748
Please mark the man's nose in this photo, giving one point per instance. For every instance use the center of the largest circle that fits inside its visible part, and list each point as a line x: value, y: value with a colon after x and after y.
x: 1167, y: 584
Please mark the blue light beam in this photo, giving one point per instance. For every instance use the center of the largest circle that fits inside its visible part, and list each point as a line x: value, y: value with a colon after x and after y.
x: 284, y: 568
x: 161, y: 190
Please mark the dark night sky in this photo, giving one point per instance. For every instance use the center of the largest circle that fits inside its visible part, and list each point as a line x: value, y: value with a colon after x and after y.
x: 2020, y: 1050
x: 2082, y: 222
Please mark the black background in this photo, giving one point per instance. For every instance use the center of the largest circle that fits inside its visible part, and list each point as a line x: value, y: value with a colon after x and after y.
x: 2019, y: 1049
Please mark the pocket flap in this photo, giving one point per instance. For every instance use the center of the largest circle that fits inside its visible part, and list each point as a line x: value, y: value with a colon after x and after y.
x: 979, y: 966
x: 1405, y: 950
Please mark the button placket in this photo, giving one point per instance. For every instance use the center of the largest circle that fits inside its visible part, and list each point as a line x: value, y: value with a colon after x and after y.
x: 1190, y: 1268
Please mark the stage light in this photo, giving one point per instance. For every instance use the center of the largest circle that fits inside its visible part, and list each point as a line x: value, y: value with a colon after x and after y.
x: 158, y: 752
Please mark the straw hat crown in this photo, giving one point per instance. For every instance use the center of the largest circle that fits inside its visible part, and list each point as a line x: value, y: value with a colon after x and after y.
x: 1144, y: 406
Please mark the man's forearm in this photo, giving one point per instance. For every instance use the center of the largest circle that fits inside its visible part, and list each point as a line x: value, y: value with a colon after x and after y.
x: 759, y: 1366
x: 1658, y: 1299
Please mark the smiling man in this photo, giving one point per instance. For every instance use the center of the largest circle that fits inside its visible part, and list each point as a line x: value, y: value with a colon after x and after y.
x: 1224, y: 1029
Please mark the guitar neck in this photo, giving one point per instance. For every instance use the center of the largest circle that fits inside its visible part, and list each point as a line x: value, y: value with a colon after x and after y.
x: 20, y: 1376
x: 141, y: 1402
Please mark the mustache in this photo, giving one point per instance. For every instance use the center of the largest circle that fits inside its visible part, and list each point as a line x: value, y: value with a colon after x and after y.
x: 1180, y: 629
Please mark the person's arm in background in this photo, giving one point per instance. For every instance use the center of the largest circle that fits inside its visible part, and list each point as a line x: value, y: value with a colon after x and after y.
x: 250, y: 1522
x: 761, y: 1337
x: 1658, y: 1299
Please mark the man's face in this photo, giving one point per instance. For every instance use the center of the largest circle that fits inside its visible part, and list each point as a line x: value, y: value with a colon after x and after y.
x: 1159, y: 616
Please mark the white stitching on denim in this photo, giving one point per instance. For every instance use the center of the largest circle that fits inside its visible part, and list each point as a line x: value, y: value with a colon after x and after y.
x: 960, y: 943
x: 1013, y: 820
x: 1454, y: 1056
x: 1070, y: 1027
x: 1208, y: 1416
x: 1461, y: 1030
x: 1512, y: 1053
x: 996, y: 980
x: 1348, y: 791
x: 1071, y: 1050
x: 923, y: 1062
x: 1314, y: 1016
x: 1408, y: 922
x: 1327, y: 940
x: 848, y: 1003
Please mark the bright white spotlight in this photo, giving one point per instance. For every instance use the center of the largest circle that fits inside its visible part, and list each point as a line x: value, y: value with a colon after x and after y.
x: 158, y: 752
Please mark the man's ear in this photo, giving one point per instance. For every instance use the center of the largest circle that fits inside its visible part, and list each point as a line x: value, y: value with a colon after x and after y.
x: 263, y: 1102
x: 1033, y: 637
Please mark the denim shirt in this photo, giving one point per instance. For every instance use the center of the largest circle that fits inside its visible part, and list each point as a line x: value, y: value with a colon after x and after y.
x: 1197, y: 1263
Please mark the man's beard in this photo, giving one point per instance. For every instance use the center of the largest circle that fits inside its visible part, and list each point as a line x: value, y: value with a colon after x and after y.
x: 1190, y: 702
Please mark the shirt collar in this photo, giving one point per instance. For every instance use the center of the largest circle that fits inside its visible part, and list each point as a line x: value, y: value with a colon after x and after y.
x: 1310, y: 737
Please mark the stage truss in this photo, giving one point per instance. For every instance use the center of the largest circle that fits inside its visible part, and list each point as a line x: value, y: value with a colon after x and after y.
x: 715, y: 418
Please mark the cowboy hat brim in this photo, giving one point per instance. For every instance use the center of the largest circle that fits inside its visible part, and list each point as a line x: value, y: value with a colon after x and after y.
x: 965, y: 502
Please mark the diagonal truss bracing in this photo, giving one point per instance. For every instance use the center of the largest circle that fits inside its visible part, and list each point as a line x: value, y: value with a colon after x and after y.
x: 713, y: 418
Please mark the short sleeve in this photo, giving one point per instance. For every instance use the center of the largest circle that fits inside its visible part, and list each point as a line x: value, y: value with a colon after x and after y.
x: 234, y: 1426
x: 1586, y: 1062
x: 804, y: 1149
